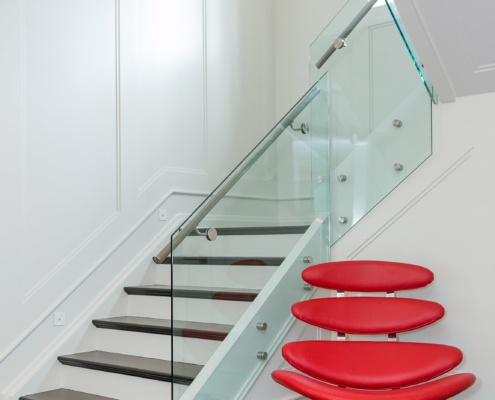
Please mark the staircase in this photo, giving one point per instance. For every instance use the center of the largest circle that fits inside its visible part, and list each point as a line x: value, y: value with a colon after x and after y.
x: 212, y: 289
x: 307, y: 168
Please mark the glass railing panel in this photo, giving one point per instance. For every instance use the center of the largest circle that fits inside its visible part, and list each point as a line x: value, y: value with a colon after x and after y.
x: 373, y: 84
x: 350, y: 16
x: 412, y: 50
x: 320, y: 151
x: 251, y: 272
x: 242, y: 356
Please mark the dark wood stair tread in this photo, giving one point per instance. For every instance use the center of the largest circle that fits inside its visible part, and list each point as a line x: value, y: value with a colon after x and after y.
x: 188, y: 329
x: 194, y: 292
x: 63, y: 394
x: 260, y: 230
x: 201, y: 260
x: 149, y: 368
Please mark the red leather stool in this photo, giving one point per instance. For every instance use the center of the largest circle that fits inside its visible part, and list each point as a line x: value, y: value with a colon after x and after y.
x: 355, y: 370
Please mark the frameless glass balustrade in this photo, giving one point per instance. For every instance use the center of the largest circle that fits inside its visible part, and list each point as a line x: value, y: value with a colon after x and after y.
x: 379, y: 110
x: 236, y: 262
x: 411, y: 49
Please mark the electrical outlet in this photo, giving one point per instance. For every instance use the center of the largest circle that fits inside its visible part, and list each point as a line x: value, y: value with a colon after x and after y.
x: 59, y: 319
x: 162, y: 214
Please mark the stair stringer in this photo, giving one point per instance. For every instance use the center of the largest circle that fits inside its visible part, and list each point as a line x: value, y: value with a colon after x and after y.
x: 283, y: 289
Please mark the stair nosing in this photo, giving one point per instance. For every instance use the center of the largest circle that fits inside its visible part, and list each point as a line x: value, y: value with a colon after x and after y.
x: 63, y: 394
x: 193, y: 292
x: 257, y: 230
x: 83, y: 360
x: 196, y: 330
x: 218, y: 260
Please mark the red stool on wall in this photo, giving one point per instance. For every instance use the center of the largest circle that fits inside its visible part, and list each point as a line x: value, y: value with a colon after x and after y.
x: 368, y: 370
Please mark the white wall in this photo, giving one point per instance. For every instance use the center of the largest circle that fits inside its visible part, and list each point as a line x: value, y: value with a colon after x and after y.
x: 109, y: 109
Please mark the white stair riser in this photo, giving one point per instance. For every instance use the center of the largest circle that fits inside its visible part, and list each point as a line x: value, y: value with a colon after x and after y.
x: 116, y: 386
x: 185, y: 309
x: 190, y: 350
x: 232, y: 276
x: 238, y: 245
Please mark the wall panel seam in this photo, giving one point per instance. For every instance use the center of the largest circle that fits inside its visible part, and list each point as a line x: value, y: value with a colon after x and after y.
x: 157, y: 175
x: 67, y: 259
x: 25, y: 228
x: 205, y: 88
x: 118, y: 125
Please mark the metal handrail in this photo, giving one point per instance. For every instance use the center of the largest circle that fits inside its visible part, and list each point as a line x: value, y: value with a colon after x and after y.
x: 357, y: 19
x: 235, y: 175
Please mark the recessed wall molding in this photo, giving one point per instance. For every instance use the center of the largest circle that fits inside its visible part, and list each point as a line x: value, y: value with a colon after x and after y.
x: 203, y: 171
x: 171, y: 98
x: 484, y: 68
x: 150, y: 182
x: 205, y: 89
x: 251, y: 177
x: 57, y: 143
x: 118, y: 110
x: 70, y: 257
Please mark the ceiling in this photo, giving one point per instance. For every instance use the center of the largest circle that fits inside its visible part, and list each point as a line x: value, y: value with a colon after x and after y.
x: 455, y: 40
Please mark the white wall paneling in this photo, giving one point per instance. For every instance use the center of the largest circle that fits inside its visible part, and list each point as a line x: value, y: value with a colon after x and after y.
x: 110, y: 109
x: 240, y: 51
x: 66, y: 124
x: 170, y: 60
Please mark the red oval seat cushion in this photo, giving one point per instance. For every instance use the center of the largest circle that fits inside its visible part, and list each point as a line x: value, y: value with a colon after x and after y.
x: 367, y: 276
x: 368, y: 315
x: 371, y: 365
x: 440, y: 389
